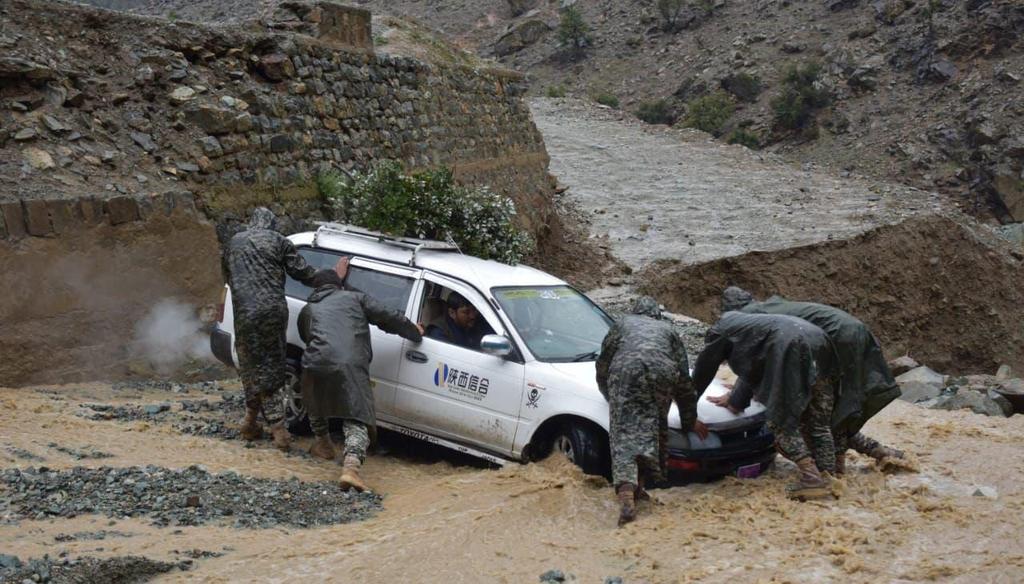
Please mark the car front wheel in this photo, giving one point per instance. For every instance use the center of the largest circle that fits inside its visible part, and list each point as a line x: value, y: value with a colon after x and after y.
x: 294, y: 411
x: 585, y: 445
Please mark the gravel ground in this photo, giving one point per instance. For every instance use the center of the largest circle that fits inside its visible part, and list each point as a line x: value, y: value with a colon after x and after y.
x: 191, y: 496
x: 86, y: 570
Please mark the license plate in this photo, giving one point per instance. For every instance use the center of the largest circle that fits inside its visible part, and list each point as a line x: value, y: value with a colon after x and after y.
x: 749, y: 471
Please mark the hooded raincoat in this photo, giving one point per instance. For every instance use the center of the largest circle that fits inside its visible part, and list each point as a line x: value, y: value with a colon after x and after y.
x: 866, y: 384
x: 255, y: 262
x: 777, y: 358
x: 335, y: 325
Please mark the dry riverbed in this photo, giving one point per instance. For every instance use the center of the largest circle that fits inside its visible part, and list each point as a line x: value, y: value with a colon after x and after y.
x: 444, y: 519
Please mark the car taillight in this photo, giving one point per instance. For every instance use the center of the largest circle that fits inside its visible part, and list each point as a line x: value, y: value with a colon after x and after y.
x: 220, y: 305
x: 683, y: 464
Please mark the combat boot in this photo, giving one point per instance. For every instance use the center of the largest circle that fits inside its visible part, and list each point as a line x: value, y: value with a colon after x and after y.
x: 350, y: 474
x: 811, y: 485
x: 250, y: 428
x: 282, y: 437
x: 882, y: 452
x: 322, y: 447
x: 627, y: 499
x: 840, y: 464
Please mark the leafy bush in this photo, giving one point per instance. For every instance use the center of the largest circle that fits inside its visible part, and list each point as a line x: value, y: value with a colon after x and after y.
x: 608, y: 100
x: 428, y: 205
x: 745, y: 137
x: 801, y: 97
x: 709, y: 113
x: 556, y: 91
x: 656, y: 111
x: 743, y: 85
x: 573, y: 31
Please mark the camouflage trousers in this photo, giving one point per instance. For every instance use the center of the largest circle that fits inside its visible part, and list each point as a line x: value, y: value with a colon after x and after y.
x: 357, y: 435
x: 260, y: 343
x: 813, y: 436
x: 639, y: 401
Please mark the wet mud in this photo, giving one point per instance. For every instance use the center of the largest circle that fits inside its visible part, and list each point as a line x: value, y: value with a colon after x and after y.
x: 444, y: 520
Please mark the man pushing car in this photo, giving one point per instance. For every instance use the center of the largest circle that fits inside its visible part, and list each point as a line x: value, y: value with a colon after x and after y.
x: 335, y: 325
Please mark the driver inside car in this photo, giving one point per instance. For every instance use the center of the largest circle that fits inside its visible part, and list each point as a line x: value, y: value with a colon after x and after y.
x: 460, y: 325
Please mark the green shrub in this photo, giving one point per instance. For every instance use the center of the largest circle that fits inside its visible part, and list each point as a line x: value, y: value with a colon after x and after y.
x: 656, y: 111
x: 801, y: 97
x: 744, y: 86
x: 608, y: 100
x: 709, y: 113
x: 428, y: 205
x: 556, y: 91
x: 573, y: 31
x: 745, y: 137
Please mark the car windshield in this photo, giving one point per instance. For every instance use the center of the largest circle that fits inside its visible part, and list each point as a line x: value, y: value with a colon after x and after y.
x: 557, y: 323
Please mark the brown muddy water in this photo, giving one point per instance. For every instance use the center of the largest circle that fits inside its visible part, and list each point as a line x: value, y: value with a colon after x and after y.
x: 958, y: 520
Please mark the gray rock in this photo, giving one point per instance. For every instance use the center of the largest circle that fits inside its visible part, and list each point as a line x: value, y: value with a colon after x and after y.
x: 553, y: 576
x: 975, y: 401
x: 923, y: 375
x: 941, y: 70
x: 212, y: 120
x: 521, y: 36
x: 25, y: 134
x: 182, y: 94
x: 9, y: 561
x: 901, y: 365
x: 916, y: 391
x: 145, y: 141
x: 1005, y: 371
x: 54, y: 125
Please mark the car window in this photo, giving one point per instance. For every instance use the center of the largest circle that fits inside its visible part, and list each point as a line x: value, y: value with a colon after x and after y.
x: 467, y: 327
x: 557, y: 323
x: 391, y: 290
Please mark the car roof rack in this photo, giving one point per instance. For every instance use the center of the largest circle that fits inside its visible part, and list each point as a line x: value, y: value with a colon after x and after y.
x: 410, y: 243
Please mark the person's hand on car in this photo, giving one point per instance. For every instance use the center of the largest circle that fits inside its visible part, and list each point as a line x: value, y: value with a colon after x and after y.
x: 422, y: 329
x: 342, y: 267
x: 722, y: 401
x: 700, y: 429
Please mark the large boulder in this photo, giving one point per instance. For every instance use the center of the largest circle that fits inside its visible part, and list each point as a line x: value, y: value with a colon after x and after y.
x: 521, y: 36
x: 923, y: 375
x: 916, y: 391
x: 901, y: 365
x: 988, y: 404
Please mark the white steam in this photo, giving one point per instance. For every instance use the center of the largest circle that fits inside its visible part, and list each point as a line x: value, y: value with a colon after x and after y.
x: 171, y: 335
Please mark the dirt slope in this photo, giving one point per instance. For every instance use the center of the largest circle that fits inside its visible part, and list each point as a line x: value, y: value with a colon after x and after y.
x: 930, y: 287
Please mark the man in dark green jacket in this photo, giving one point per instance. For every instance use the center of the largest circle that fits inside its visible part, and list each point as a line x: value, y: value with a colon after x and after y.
x: 866, y: 384
x: 335, y: 325
x: 788, y: 365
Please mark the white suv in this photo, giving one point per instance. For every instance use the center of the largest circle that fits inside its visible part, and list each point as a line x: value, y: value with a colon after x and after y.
x: 530, y: 384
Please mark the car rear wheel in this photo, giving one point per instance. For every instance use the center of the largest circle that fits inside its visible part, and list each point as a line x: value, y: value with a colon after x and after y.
x: 585, y: 445
x: 295, y: 417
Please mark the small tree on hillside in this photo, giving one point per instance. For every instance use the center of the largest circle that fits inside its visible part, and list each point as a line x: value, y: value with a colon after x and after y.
x: 573, y: 31
x: 669, y: 11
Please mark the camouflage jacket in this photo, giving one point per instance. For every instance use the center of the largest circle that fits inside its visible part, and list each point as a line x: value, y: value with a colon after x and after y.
x: 255, y: 262
x: 657, y: 346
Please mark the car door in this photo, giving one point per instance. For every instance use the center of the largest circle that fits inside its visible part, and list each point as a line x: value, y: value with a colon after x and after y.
x: 391, y: 285
x: 459, y: 392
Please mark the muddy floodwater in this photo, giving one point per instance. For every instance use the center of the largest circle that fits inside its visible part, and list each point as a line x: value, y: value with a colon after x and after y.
x: 445, y: 519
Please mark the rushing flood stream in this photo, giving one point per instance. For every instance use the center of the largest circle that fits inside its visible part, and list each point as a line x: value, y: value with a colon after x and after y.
x: 445, y: 520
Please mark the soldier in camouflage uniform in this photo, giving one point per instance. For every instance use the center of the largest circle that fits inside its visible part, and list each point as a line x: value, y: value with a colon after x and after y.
x: 255, y: 262
x: 787, y: 364
x: 866, y: 384
x: 641, y: 370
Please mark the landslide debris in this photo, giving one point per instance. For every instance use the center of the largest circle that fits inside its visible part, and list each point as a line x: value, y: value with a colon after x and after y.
x: 937, y: 289
x: 190, y: 496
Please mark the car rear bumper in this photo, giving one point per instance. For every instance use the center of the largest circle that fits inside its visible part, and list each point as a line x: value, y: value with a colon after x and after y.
x: 220, y: 345
x: 741, y: 449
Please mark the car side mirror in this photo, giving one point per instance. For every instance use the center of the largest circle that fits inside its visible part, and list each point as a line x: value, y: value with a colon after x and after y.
x: 496, y: 345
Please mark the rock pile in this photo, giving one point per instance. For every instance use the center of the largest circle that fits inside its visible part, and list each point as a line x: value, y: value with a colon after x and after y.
x: 191, y: 496
x: 86, y: 569
x: 990, y: 395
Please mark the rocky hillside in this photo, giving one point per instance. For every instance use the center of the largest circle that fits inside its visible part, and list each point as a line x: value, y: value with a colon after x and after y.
x: 925, y: 92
